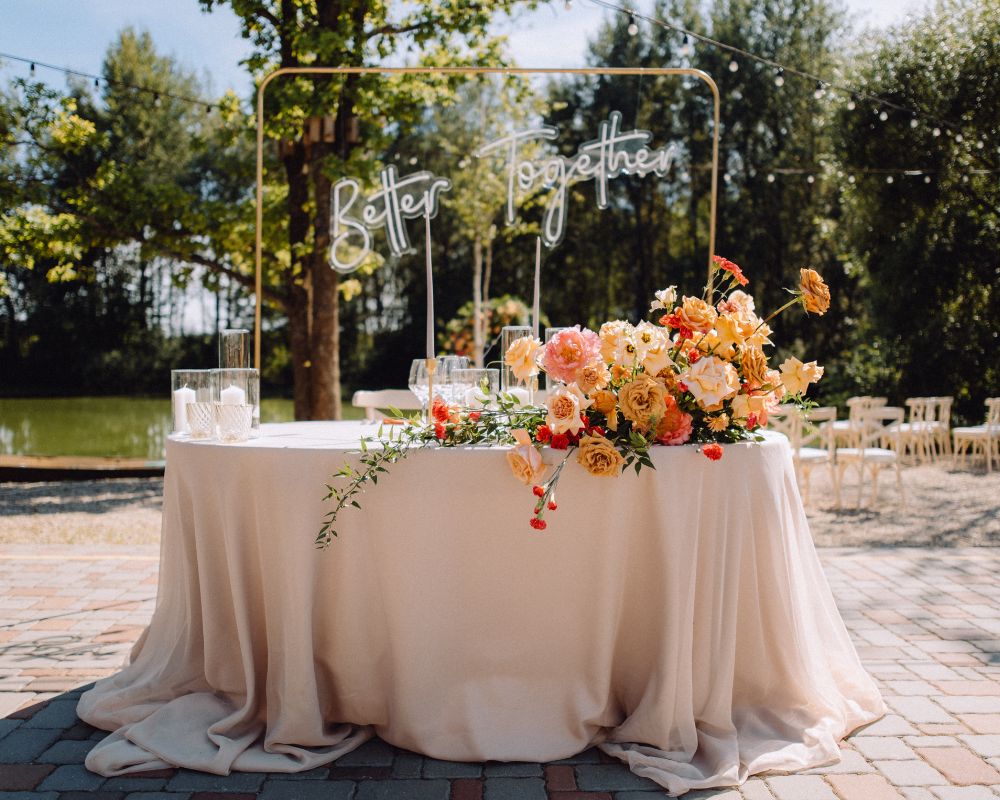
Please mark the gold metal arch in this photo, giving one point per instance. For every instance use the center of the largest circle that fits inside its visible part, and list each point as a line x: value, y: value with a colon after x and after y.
x: 653, y: 71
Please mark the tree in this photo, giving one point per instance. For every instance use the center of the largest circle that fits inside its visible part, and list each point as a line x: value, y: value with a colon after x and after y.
x: 367, y: 111
x: 925, y: 244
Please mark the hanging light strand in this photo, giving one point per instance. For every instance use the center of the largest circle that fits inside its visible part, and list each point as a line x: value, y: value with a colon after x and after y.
x: 97, y: 79
x: 822, y: 84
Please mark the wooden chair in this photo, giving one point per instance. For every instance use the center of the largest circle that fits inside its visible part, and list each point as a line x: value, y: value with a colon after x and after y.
x: 373, y: 401
x: 914, y: 437
x: 846, y: 430
x: 871, y: 455
x: 940, y: 426
x: 811, y: 439
x: 983, y: 439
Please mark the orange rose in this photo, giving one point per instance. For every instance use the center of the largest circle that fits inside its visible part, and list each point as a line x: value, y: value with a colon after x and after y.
x: 815, y: 293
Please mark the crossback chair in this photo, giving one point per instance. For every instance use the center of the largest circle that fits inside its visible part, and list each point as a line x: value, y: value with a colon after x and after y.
x: 983, y: 438
x: 811, y: 439
x: 875, y: 448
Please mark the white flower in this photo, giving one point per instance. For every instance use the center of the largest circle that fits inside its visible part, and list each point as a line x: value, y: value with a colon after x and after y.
x: 652, y: 347
x: 665, y: 299
x: 565, y: 404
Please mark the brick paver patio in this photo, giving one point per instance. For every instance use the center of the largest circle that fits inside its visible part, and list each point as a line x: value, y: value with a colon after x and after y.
x: 926, y: 623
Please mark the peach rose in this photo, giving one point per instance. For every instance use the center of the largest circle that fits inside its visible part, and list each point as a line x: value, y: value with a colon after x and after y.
x: 815, y: 293
x: 738, y: 303
x: 525, y: 461
x: 565, y: 404
x: 642, y: 400
x: 727, y: 329
x: 696, y: 314
x: 599, y: 456
x: 754, y: 364
x: 522, y: 358
x: 593, y: 376
x: 711, y: 380
x: 744, y: 405
x: 607, y: 404
x: 796, y: 376
x: 674, y: 427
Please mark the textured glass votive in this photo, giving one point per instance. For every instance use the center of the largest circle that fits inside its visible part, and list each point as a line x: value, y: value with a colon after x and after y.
x: 201, y: 419
x: 187, y: 386
x: 234, y: 349
x: 237, y: 404
x: 476, y: 388
x: 508, y: 383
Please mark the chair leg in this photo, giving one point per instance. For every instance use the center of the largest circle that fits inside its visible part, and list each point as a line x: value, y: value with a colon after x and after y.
x: 875, y: 471
x: 861, y: 480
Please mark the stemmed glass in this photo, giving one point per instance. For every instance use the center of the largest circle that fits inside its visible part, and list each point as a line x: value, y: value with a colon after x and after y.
x: 418, y: 384
x: 444, y: 377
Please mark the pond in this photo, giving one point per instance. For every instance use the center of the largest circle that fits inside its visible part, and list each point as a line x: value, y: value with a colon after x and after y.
x: 127, y: 427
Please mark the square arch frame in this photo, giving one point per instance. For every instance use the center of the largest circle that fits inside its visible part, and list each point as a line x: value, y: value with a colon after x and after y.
x: 652, y: 71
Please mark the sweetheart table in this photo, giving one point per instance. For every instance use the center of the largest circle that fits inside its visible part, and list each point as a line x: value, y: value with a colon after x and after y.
x: 679, y: 619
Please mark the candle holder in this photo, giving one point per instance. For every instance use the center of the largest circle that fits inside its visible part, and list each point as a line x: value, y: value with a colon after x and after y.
x: 188, y: 386
x: 237, y: 404
x: 234, y: 349
x: 476, y: 388
x: 508, y: 383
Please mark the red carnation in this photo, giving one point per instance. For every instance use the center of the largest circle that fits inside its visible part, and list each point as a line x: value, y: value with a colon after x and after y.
x: 694, y: 357
x: 560, y: 441
x: 439, y: 430
x: 751, y: 421
x: 552, y: 505
x: 537, y: 490
x: 713, y: 452
x: 474, y: 416
x: 538, y: 524
x: 682, y: 386
x: 439, y: 410
x: 597, y: 430
x: 672, y: 321
x: 542, y: 433
x: 728, y: 266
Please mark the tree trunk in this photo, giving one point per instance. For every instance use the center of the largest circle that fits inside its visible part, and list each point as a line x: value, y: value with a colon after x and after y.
x: 324, y: 337
x: 477, y: 299
x: 296, y: 281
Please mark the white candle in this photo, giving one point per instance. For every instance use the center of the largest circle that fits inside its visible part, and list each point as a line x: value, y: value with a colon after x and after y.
x: 521, y: 395
x: 233, y: 396
x: 538, y: 284
x: 431, y: 349
x: 182, y: 397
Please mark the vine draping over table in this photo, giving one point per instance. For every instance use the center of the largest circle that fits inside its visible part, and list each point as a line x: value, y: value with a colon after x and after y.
x: 697, y: 373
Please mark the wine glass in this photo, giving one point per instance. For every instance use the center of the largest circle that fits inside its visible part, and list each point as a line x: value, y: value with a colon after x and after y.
x: 418, y: 384
x: 446, y: 367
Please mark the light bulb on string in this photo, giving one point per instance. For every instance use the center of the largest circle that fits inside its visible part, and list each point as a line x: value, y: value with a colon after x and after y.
x: 779, y: 77
x: 819, y: 91
x: 770, y: 177
x: 936, y: 132
x: 727, y: 178
x: 927, y: 178
x: 958, y: 137
x: 97, y: 83
x: 32, y: 67
x: 883, y: 115
x: 733, y: 65
x: 850, y: 179
x: 853, y: 102
x: 914, y: 121
x: 685, y: 46
x: 633, y: 26
x: 980, y: 144
x: 811, y: 179
x: 889, y: 179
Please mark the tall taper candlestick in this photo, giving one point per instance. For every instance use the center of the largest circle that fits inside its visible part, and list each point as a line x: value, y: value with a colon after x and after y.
x: 538, y: 285
x: 431, y: 349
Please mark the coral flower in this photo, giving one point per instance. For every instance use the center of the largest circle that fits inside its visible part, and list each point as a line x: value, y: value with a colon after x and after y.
x: 538, y: 524
x: 728, y: 266
x: 713, y: 452
x: 569, y: 352
x: 675, y: 426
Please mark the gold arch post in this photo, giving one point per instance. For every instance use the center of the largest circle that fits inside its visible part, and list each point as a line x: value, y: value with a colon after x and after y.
x: 653, y: 71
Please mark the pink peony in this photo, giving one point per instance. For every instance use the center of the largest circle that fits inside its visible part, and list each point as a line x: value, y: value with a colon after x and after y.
x: 674, y: 427
x: 569, y: 352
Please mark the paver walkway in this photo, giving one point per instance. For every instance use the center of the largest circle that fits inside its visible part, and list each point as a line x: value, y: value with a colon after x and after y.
x: 926, y: 624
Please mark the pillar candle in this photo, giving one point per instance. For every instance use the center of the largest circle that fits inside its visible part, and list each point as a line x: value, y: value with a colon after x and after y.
x: 182, y: 397
x: 538, y: 286
x: 233, y: 396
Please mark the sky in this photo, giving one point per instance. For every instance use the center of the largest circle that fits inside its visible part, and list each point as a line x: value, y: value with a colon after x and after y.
x: 76, y: 34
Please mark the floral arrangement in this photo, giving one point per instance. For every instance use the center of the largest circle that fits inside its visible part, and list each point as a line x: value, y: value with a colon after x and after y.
x: 696, y: 373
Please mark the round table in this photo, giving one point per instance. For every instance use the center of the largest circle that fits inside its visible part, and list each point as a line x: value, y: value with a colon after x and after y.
x: 679, y: 619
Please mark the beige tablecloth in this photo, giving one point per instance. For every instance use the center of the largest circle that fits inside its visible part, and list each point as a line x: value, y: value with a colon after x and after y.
x: 680, y: 619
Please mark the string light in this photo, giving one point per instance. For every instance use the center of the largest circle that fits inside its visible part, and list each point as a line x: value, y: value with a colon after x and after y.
x: 883, y: 115
x: 633, y: 26
x: 820, y: 90
x: 914, y: 122
x: 779, y: 77
x: 855, y: 96
x: 97, y: 80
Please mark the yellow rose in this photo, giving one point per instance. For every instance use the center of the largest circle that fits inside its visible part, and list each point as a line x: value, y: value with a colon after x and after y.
x: 696, y: 314
x: 599, y: 456
x: 565, y: 403
x: 815, y: 293
x: 754, y: 364
x: 522, y: 358
x: 796, y: 376
x: 614, y: 335
x: 525, y: 461
x: 711, y: 380
x: 728, y: 331
x: 642, y: 400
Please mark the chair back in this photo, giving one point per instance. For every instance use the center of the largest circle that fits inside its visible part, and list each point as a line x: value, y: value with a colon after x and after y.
x: 786, y: 419
x: 878, y: 426
x: 942, y: 411
x: 371, y: 401
x: 816, y: 430
x: 993, y: 412
x: 921, y: 409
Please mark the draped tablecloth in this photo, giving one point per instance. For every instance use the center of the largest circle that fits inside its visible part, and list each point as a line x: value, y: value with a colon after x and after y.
x: 680, y: 618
